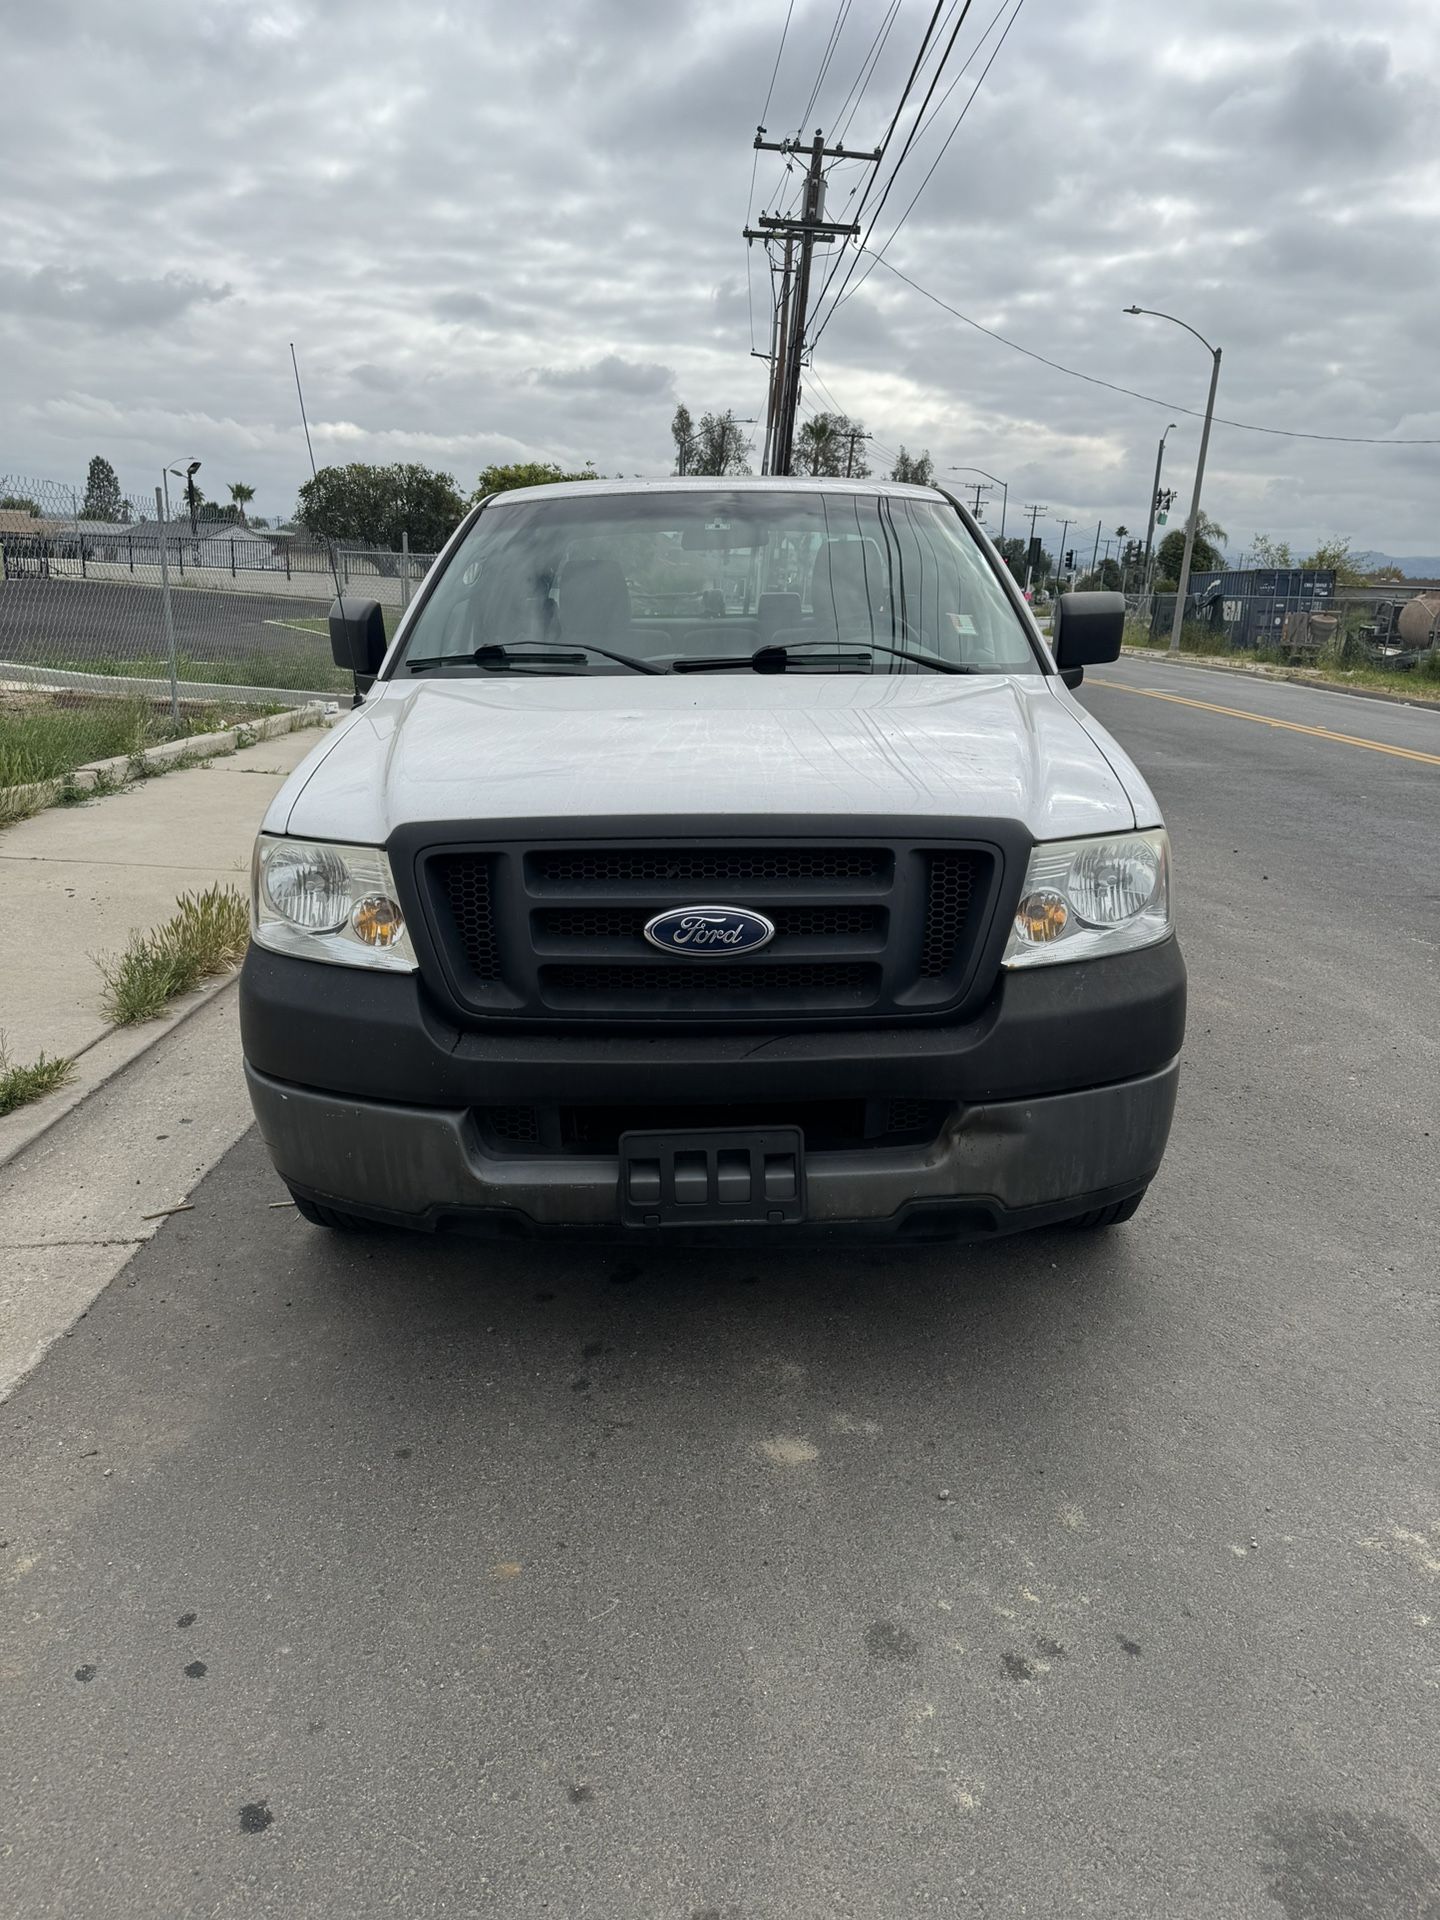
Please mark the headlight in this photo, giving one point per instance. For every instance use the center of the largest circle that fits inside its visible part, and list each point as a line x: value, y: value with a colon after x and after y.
x: 1086, y: 898
x: 324, y: 901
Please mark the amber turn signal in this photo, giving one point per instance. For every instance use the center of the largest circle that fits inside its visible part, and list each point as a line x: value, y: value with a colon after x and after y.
x: 1042, y: 916
x: 377, y: 921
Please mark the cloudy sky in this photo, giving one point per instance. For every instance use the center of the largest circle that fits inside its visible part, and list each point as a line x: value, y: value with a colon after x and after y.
x: 498, y: 231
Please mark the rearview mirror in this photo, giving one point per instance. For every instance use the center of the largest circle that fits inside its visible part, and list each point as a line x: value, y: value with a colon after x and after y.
x: 1087, y: 630
x: 357, y: 637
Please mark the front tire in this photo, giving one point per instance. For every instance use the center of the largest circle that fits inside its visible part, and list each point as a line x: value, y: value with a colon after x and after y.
x: 1112, y: 1216
x: 334, y: 1219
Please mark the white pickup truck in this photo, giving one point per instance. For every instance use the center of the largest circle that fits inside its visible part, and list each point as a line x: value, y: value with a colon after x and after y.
x: 720, y: 858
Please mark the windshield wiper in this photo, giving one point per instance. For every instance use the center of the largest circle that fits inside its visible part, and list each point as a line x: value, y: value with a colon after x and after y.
x: 777, y: 659
x: 550, y: 653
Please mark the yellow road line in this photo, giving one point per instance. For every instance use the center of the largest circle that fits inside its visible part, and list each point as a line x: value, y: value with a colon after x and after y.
x: 1265, y: 720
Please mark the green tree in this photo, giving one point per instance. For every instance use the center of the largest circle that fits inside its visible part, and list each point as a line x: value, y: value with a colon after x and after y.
x: 526, y: 473
x: 720, y: 446
x: 103, y: 499
x: 19, y: 503
x: 1265, y: 552
x: 1105, y: 578
x: 240, y: 498
x: 920, y: 471
x: 1208, y: 556
x: 1013, y: 550
x: 1335, y: 553
x: 375, y: 505
x: 832, y: 445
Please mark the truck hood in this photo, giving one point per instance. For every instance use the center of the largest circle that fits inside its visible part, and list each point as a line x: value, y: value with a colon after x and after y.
x: 916, y: 746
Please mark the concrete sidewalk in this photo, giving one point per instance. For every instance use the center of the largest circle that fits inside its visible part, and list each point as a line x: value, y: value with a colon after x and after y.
x: 78, y: 880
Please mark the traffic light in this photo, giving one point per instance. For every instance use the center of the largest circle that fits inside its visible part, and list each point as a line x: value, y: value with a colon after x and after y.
x: 1070, y: 561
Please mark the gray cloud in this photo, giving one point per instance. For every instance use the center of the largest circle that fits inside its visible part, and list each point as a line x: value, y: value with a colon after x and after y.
x: 497, y: 234
x: 95, y: 298
x: 612, y: 373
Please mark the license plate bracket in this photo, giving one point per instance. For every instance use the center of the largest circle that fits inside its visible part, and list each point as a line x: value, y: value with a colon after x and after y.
x: 737, y: 1176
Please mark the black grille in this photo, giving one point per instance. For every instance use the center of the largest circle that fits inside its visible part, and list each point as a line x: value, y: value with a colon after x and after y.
x: 914, y: 1116
x: 819, y: 981
x: 624, y: 923
x: 465, y: 883
x: 553, y: 932
x: 950, y: 885
x: 621, y: 866
x: 518, y: 1125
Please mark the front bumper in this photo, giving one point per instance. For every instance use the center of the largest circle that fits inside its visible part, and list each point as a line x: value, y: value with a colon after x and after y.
x: 995, y: 1168
x: 1060, y: 1095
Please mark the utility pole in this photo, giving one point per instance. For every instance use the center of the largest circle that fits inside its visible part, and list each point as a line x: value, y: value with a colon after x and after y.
x: 812, y: 229
x: 1095, y: 556
x: 1034, y: 513
x: 782, y: 323
x: 980, y: 488
x: 852, y: 436
x: 1154, y: 509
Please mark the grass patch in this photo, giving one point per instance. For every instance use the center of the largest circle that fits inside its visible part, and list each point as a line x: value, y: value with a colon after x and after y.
x: 47, y: 741
x: 1331, y: 668
x: 206, y: 935
x: 300, y: 669
x: 20, y: 1085
x: 45, y: 737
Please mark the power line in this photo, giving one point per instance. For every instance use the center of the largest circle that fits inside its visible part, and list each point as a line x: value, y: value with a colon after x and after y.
x: 884, y: 147
x: 830, y: 45
x: 1094, y: 380
x: 970, y: 101
x: 862, y: 79
x: 774, y: 71
x: 895, y: 170
x: 755, y: 165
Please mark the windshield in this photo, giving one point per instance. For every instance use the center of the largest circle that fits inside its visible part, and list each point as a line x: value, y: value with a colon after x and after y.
x: 669, y: 580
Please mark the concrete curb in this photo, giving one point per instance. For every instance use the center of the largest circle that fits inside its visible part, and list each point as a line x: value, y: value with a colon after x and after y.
x: 63, y: 680
x: 199, y: 746
x: 1278, y: 676
x: 97, y: 1064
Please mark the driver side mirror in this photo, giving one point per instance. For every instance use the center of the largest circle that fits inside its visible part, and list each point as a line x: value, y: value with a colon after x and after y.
x: 357, y: 637
x: 1087, y: 630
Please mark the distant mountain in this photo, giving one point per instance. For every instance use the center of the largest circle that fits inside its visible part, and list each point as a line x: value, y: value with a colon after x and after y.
x: 1422, y: 566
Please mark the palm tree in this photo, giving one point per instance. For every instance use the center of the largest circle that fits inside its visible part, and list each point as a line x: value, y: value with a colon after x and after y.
x: 241, y: 496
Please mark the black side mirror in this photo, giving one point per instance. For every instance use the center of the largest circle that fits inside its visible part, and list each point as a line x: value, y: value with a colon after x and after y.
x: 357, y: 637
x: 1086, y: 631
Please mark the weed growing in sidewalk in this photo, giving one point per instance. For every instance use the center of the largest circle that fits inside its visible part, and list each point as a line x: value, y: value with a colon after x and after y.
x: 206, y: 935
x: 20, y: 1085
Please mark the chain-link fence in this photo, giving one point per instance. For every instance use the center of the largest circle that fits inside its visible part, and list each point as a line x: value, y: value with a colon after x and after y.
x: 170, y: 617
x: 1302, y: 619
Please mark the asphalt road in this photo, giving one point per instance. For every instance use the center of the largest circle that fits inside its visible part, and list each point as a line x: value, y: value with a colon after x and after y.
x: 1068, y: 1576
x: 79, y: 621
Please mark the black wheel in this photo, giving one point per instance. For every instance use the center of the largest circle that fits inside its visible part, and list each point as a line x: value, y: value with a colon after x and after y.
x: 334, y: 1218
x: 1111, y: 1216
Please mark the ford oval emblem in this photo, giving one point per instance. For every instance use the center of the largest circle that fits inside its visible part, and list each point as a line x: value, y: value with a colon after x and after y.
x: 712, y: 933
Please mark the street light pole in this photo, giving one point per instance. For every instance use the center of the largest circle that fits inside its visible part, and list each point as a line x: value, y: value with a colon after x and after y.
x: 1154, y: 501
x: 1004, y: 492
x: 1192, y: 524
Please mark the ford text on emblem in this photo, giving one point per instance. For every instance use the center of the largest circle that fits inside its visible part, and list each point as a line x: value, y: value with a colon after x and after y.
x: 712, y: 932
